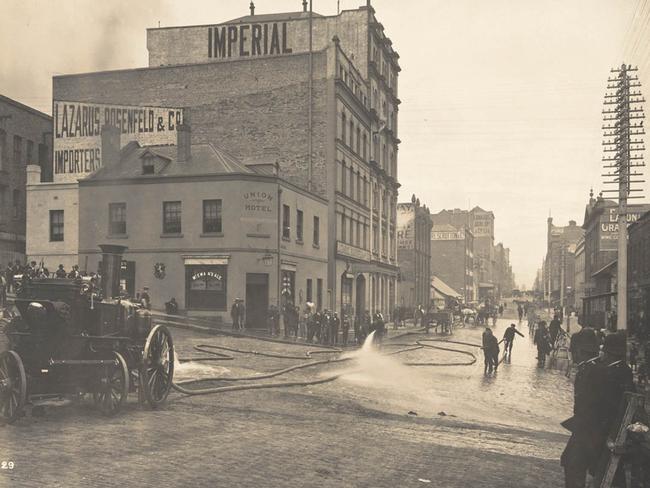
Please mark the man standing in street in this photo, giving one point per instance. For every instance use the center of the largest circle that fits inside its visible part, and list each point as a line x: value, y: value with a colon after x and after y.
x: 490, y: 351
x: 234, y: 314
x: 554, y: 329
x: 598, y: 391
x: 584, y: 345
x: 509, y: 338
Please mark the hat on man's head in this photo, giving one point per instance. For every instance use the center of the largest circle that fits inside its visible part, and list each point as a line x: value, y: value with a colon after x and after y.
x: 615, y: 344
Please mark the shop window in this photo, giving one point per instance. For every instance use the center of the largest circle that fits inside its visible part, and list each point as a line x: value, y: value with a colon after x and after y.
x: 212, y: 219
x: 319, y: 294
x: 172, y: 218
x: 56, y: 225
x: 206, y: 287
x: 18, y: 149
x: 299, y: 222
x: 316, y: 231
x: 286, y: 222
x: 117, y: 218
x: 310, y: 291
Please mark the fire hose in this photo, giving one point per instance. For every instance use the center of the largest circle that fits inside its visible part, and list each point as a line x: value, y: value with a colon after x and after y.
x: 181, y: 387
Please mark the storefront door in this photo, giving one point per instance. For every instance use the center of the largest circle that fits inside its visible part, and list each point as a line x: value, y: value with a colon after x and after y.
x: 257, y: 300
x: 205, y: 287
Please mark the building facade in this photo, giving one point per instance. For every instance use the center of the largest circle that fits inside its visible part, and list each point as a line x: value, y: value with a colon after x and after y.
x: 452, y: 258
x: 579, y: 276
x: 324, y: 111
x: 601, y: 252
x: 638, y: 276
x: 413, y: 254
x: 200, y: 226
x: 559, y: 269
x: 25, y: 138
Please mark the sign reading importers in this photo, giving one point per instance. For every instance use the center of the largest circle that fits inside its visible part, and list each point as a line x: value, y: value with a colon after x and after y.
x: 77, y: 133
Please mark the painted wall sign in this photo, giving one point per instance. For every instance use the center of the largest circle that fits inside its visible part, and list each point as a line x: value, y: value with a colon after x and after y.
x: 77, y: 133
x: 242, y: 40
x: 609, y: 227
x: 258, y: 202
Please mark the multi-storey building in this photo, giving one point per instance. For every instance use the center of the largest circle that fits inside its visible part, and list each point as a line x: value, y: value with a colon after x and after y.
x: 414, y: 254
x: 316, y: 95
x: 559, y: 269
x: 601, y: 251
x: 579, y: 276
x: 25, y: 138
x: 452, y: 258
x: 638, y: 275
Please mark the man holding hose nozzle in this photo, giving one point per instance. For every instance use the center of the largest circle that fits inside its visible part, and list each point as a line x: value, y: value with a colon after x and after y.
x: 490, y: 351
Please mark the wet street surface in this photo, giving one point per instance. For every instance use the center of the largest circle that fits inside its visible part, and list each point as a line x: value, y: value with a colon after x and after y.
x: 381, y: 424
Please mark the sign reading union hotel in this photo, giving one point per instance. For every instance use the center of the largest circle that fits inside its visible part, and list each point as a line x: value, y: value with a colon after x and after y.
x: 242, y: 40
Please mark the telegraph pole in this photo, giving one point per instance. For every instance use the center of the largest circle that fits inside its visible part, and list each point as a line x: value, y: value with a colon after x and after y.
x: 623, y: 122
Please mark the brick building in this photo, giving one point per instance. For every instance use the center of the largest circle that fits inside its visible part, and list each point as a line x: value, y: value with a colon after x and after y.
x: 638, y: 276
x: 452, y: 258
x: 414, y: 254
x: 25, y: 138
x: 559, y: 269
x: 327, y: 117
x: 601, y: 251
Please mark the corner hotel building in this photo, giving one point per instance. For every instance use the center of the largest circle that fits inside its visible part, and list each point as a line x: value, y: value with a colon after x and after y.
x: 313, y: 96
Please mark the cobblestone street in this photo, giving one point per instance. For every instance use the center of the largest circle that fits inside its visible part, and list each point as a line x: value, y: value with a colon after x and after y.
x: 351, y: 432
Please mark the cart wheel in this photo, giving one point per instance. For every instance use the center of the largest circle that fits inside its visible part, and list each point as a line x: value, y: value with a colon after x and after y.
x: 13, y: 387
x: 115, y: 387
x: 157, y: 366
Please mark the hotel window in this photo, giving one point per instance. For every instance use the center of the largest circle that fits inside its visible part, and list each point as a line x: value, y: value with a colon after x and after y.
x: 375, y: 239
x: 358, y: 233
x: 359, y: 187
x: 344, y: 233
x: 365, y: 236
x: 172, y: 218
x: 358, y: 140
x: 365, y: 145
x: 30, y: 151
x: 351, y: 182
x: 56, y: 225
x: 343, y: 127
x: 351, y: 134
x: 212, y: 221
x: 18, y: 149
x: 286, y: 222
x: 316, y: 231
x: 344, y: 178
x: 117, y: 218
x: 16, y: 204
x: 299, y: 225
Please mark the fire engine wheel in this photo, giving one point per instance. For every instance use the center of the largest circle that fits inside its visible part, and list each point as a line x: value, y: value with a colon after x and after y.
x: 13, y: 387
x: 157, y: 369
x: 114, y: 387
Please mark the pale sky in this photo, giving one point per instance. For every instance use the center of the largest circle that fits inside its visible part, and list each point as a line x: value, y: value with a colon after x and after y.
x: 501, y: 99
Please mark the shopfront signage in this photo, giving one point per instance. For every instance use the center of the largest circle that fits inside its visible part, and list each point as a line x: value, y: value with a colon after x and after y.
x: 352, y: 251
x: 248, y: 40
x: 77, y: 133
x: 207, y: 274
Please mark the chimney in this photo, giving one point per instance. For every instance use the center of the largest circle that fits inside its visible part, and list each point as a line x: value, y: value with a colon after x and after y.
x: 183, y: 143
x: 111, y: 267
x: 252, y: 7
x: 110, y: 145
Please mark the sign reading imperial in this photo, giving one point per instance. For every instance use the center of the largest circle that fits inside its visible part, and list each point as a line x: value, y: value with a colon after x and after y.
x: 226, y: 41
x: 77, y: 133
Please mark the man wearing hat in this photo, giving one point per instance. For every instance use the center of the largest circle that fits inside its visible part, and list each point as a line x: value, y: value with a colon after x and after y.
x: 599, y: 388
x: 584, y: 345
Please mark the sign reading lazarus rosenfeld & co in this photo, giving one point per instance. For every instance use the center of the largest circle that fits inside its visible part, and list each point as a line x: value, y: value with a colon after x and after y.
x: 77, y: 130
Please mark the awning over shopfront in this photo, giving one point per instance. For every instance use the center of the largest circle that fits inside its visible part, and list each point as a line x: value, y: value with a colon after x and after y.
x: 442, y: 289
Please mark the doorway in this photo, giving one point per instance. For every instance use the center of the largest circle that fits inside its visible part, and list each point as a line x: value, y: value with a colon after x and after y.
x: 361, y: 295
x: 257, y: 300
